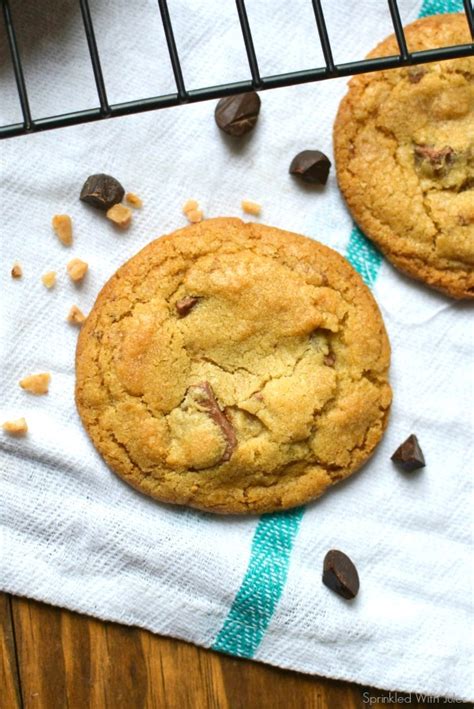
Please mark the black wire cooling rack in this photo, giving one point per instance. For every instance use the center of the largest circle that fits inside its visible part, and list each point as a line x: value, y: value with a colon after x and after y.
x: 182, y: 95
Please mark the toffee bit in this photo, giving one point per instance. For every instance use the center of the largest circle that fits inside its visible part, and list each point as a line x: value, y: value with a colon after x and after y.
x: 16, y: 428
x: 190, y: 206
x: 251, y: 207
x: 120, y: 215
x: 76, y: 316
x: 62, y: 226
x: 49, y: 279
x: 77, y: 269
x: 16, y: 271
x: 36, y: 383
x: 134, y: 200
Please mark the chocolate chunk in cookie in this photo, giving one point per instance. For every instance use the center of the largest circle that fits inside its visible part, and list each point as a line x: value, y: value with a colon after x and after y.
x: 186, y: 304
x: 204, y: 395
x: 432, y: 161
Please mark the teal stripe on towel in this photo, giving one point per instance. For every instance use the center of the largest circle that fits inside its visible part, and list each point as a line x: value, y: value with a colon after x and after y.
x: 262, y: 585
x: 363, y: 256
x: 438, y: 7
x: 265, y: 578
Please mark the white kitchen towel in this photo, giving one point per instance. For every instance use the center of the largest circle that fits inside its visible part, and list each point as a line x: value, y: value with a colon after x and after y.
x: 73, y: 534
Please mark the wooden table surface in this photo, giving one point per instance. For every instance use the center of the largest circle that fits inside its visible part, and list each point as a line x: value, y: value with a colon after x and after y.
x: 55, y: 659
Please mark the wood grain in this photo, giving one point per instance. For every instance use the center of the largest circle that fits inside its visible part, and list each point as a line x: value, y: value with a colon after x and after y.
x: 71, y: 661
x: 9, y: 682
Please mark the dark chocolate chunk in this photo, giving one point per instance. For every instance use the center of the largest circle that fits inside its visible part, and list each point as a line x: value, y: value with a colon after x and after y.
x: 237, y: 115
x: 409, y: 455
x: 204, y: 396
x: 311, y: 166
x: 102, y: 191
x: 186, y: 304
x: 340, y: 574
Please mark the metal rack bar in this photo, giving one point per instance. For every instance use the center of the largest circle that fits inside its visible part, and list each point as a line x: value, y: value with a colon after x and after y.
x: 324, y: 37
x: 213, y: 92
x: 17, y: 68
x: 173, y: 52
x: 248, y: 41
x: 469, y: 15
x: 398, y: 27
x: 94, y: 54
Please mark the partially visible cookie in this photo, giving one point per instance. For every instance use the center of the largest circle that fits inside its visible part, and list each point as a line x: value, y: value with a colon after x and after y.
x: 234, y: 367
x: 404, y: 148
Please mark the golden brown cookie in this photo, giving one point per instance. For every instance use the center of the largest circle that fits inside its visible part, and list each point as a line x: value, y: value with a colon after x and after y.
x: 234, y: 367
x: 404, y: 148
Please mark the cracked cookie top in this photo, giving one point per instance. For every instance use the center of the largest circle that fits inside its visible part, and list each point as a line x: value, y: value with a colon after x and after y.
x: 234, y: 367
x: 404, y: 148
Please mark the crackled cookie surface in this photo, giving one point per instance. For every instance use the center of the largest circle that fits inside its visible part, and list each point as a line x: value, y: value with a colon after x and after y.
x: 234, y: 367
x: 404, y: 147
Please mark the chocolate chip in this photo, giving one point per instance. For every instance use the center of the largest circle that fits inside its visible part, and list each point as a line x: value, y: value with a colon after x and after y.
x: 204, y: 396
x: 409, y: 455
x: 340, y: 574
x: 102, y: 191
x: 330, y: 360
x: 434, y: 155
x: 186, y: 304
x: 416, y: 74
x: 311, y: 166
x: 432, y: 161
x: 237, y: 115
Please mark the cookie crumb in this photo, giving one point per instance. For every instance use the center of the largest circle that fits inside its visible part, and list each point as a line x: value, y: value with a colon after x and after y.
x: 16, y: 271
x: 62, y: 225
x: 36, y: 383
x: 134, y: 200
x: 120, y: 215
x: 76, y: 316
x: 251, y: 207
x: 194, y: 216
x: 190, y: 205
x: 49, y: 279
x: 77, y: 269
x: 16, y: 428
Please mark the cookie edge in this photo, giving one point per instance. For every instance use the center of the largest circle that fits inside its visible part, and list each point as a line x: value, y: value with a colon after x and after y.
x: 454, y: 284
x: 355, y: 284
